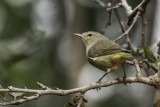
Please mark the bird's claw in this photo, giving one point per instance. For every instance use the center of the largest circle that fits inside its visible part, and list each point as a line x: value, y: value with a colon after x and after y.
x: 124, y: 78
x: 98, y: 83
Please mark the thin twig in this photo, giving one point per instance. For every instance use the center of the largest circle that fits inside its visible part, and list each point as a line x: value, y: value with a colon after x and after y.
x: 114, y: 7
x: 123, y: 28
x: 131, y: 26
x: 144, y: 29
x: 151, y: 65
x: 43, y: 86
x: 19, y: 101
x: 141, y: 7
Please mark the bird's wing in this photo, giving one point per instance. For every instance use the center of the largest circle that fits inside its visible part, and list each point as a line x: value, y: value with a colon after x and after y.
x: 103, y: 47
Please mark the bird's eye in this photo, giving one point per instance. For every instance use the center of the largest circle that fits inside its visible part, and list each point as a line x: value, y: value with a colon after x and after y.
x: 89, y: 34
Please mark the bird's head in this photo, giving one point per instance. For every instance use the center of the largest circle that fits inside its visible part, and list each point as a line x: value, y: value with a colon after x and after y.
x: 90, y: 38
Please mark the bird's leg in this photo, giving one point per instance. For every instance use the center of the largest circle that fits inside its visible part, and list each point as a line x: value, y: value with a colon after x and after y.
x: 102, y: 77
x: 99, y: 81
x: 124, y: 77
x: 108, y: 70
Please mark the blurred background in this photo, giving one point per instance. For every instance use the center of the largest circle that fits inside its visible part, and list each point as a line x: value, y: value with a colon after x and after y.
x: 37, y: 45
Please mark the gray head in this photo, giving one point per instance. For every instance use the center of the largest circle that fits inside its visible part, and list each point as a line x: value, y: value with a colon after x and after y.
x: 91, y: 37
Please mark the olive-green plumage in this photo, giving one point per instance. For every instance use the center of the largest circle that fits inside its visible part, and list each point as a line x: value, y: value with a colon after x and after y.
x: 102, y: 52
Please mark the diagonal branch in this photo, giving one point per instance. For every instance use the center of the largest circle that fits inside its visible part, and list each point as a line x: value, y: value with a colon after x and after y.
x: 130, y: 27
x: 123, y: 28
x: 141, y: 7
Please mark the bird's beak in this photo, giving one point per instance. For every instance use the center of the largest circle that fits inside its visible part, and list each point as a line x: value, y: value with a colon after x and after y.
x: 77, y: 34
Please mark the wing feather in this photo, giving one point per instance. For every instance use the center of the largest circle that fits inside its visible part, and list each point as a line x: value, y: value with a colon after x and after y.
x: 103, y: 47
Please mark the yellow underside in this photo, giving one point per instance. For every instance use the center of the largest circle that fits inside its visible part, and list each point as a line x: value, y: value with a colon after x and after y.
x: 113, y: 61
x: 120, y: 57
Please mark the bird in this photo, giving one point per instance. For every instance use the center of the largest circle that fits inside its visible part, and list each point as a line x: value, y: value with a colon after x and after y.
x: 103, y: 53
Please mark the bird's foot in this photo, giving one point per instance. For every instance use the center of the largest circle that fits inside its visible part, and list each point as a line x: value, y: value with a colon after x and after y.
x: 98, y: 83
x: 124, y: 78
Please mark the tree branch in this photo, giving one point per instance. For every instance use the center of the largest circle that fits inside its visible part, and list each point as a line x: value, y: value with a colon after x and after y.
x: 20, y: 101
x: 130, y: 27
x: 123, y: 28
x: 60, y: 92
x: 144, y: 29
x: 141, y: 7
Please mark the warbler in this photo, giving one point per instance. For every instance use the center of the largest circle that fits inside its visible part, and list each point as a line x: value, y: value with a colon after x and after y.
x: 103, y: 53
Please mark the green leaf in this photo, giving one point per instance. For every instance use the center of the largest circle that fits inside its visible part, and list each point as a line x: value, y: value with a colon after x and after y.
x: 149, y: 54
